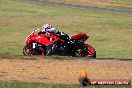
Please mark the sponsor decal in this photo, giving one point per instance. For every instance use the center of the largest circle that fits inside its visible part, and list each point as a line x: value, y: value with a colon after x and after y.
x: 110, y: 82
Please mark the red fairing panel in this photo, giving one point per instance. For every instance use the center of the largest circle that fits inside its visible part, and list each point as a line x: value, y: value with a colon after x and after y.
x: 80, y: 35
x: 46, y: 40
x: 43, y: 39
x: 30, y: 38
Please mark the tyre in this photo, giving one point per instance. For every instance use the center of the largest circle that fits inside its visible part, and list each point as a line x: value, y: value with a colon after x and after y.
x: 28, y: 50
x: 91, y: 51
x: 40, y: 51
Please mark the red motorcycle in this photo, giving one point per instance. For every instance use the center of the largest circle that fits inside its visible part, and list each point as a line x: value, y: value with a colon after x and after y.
x: 49, y: 44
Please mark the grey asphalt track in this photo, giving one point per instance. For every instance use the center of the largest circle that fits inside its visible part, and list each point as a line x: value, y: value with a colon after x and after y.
x: 120, y: 11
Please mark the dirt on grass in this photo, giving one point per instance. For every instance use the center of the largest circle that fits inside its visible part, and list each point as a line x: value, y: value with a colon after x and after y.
x: 62, y: 71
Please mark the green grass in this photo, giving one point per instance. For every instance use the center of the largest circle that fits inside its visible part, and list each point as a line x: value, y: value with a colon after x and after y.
x: 40, y: 85
x: 109, y: 33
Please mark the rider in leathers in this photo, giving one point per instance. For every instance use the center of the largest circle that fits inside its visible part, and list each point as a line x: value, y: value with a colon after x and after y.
x: 47, y: 28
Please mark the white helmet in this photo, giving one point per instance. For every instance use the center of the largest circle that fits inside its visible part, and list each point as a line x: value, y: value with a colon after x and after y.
x: 46, y: 27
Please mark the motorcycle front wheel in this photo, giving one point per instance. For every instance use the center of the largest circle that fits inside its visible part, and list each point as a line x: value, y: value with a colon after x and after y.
x: 28, y: 50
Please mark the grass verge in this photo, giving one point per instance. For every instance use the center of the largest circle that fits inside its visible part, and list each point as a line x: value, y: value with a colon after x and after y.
x: 109, y: 33
x: 40, y: 85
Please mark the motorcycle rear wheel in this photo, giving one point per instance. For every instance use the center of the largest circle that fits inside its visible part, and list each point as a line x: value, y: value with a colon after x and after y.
x: 91, y: 51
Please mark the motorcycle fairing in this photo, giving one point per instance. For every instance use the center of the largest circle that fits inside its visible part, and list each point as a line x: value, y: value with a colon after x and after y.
x: 45, y: 40
x: 80, y: 36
